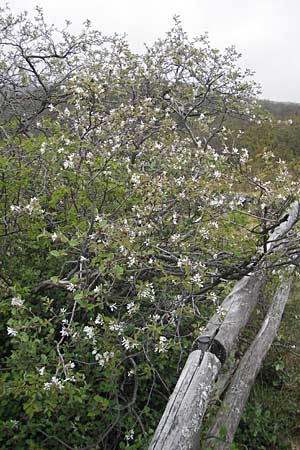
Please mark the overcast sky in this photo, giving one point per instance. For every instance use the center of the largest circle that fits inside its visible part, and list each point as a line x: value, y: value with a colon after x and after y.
x: 266, y: 32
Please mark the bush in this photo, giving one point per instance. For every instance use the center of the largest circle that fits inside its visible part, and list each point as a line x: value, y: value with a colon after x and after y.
x: 121, y: 226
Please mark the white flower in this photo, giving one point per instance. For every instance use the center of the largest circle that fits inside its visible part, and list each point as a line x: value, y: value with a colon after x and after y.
x: 89, y: 331
x: 196, y: 279
x: 41, y: 370
x: 245, y: 155
x: 32, y: 205
x: 55, y: 382
x: 161, y: 346
x: 123, y: 250
x: 155, y: 317
x: 118, y: 327
x: 221, y: 312
x: 135, y: 179
x: 79, y: 90
x: 125, y: 343
x: 72, y: 378
x: 43, y: 148
x: 14, y: 423
x: 53, y: 237
x: 15, y: 208
x: 148, y: 292
x: 70, y: 365
x: 65, y: 331
x: 99, y: 320
x: 213, y: 297
x: 183, y: 260
x: 71, y: 287
x: 97, y: 290
x: 204, y: 233
x: 11, y: 332
x: 17, y: 301
x: 131, y: 261
x: 129, y: 435
x: 131, y: 307
x: 69, y: 164
x: 103, y: 358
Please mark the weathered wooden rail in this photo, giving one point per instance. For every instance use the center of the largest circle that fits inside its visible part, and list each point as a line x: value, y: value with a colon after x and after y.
x: 230, y: 413
x: 180, y: 425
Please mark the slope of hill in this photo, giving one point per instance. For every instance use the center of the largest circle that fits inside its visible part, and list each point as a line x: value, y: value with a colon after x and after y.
x: 281, y: 110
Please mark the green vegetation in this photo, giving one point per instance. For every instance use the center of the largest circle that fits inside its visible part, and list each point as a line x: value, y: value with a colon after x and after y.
x: 129, y: 207
x: 271, y: 418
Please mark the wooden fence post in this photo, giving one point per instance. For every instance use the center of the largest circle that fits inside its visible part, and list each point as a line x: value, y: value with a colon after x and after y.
x: 179, y: 427
x: 229, y: 415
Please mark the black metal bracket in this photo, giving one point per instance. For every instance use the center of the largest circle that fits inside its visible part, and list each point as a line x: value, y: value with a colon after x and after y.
x: 210, y: 343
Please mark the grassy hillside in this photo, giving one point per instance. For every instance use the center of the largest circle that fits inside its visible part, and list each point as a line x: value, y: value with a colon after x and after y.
x: 281, y: 110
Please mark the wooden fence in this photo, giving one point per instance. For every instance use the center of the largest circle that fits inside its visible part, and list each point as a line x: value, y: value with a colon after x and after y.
x: 180, y: 425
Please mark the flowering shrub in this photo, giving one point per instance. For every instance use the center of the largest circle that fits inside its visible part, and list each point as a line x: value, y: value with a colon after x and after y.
x: 125, y: 216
